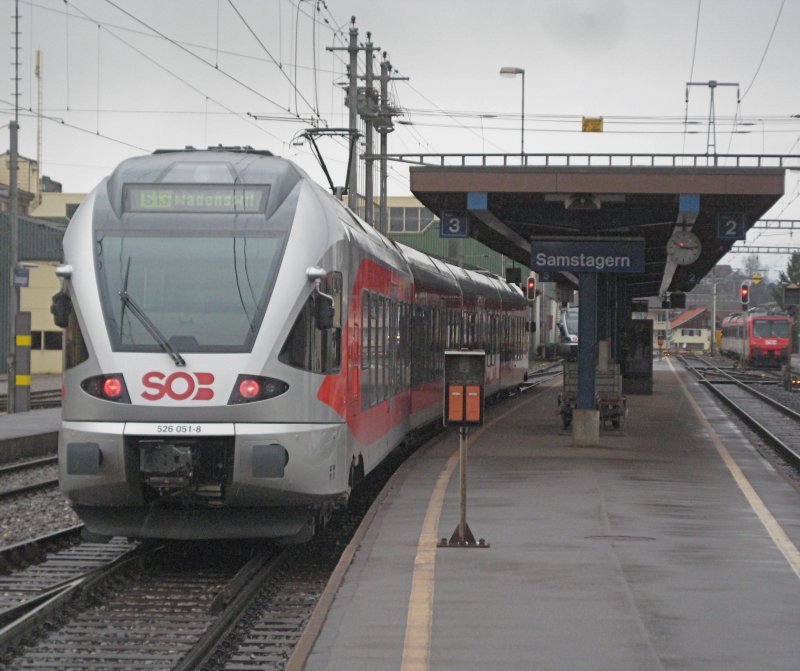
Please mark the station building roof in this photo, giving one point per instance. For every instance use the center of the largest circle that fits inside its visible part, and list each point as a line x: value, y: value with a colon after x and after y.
x: 524, y: 203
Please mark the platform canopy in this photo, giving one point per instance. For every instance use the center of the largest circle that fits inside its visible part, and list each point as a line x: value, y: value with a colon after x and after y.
x: 510, y: 207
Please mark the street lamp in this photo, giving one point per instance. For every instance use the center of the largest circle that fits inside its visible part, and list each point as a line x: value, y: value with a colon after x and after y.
x: 513, y: 72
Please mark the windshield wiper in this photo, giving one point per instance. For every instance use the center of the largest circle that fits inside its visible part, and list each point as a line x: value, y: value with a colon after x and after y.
x: 152, y: 329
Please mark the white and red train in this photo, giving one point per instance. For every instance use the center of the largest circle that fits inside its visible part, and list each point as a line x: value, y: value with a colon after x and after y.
x: 240, y: 348
x: 757, y: 337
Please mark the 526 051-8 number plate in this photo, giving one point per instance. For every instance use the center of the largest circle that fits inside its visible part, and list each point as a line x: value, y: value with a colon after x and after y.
x: 177, y: 429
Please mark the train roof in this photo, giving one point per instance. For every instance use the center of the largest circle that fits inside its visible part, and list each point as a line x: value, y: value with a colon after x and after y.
x: 218, y: 166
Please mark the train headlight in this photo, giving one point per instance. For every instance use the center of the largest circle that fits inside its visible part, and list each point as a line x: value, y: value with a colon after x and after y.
x: 249, y: 388
x: 107, y: 387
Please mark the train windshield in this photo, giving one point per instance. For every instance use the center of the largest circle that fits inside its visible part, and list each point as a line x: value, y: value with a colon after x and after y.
x: 571, y: 321
x: 202, y: 292
x: 770, y: 328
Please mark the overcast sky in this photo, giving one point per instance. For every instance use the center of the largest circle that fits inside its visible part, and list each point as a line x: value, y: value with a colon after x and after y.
x: 123, y: 77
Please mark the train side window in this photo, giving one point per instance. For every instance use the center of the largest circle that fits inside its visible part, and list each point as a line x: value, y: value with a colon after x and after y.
x: 310, y: 348
x: 367, y: 350
x: 75, y: 351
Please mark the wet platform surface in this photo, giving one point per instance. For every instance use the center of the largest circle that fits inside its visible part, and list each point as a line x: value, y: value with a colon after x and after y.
x: 672, y: 545
x: 33, y: 433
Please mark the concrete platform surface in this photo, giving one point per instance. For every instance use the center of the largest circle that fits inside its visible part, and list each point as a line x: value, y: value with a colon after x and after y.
x: 671, y: 545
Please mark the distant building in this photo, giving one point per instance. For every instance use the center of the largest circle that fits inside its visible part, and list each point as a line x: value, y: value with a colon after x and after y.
x: 691, y: 330
x: 27, y: 184
x: 39, y: 251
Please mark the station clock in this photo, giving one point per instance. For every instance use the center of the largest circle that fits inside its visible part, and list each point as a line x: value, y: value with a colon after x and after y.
x: 683, y: 247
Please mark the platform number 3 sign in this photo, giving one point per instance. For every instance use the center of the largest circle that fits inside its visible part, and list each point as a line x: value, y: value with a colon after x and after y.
x: 455, y: 224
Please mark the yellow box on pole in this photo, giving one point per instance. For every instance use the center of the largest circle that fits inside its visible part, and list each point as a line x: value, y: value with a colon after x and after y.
x: 592, y: 124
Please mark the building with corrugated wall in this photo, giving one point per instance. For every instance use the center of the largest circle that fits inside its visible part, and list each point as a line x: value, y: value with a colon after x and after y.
x: 40, y: 250
x: 418, y: 227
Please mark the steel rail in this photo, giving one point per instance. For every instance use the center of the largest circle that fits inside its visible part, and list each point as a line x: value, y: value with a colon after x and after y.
x: 25, y: 465
x: 44, y: 398
x: 787, y: 451
x: 231, y: 606
x: 38, y: 609
x: 32, y: 549
x: 27, y: 489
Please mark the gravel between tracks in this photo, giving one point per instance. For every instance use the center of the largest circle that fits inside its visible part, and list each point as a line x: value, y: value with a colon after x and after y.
x: 31, y: 515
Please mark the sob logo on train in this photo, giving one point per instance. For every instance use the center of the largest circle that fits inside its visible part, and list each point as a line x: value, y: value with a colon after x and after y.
x: 178, y: 386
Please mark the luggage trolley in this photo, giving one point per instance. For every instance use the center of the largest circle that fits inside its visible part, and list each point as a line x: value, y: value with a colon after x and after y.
x: 609, y: 399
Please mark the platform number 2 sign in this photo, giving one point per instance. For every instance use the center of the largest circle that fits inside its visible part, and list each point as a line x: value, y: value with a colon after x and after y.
x: 732, y: 226
x: 455, y: 224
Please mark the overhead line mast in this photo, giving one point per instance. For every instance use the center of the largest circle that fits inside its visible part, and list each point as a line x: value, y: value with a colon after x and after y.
x: 375, y: 111
x: 711, y: 139
x: 13, y: 212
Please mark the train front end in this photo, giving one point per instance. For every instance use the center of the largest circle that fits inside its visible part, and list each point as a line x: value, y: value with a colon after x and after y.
x: 187, y: 276
x: 769, y: 340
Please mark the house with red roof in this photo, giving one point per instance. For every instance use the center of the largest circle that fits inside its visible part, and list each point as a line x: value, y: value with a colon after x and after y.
x: 691, y: 330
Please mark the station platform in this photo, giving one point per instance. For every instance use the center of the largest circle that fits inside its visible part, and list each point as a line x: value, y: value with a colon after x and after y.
x: 671, y: 545
x: 29, y: 434
x: 33, y: 433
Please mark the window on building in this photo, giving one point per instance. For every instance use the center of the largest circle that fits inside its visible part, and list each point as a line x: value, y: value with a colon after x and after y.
x: 53, y: 340
x: 409, y: 219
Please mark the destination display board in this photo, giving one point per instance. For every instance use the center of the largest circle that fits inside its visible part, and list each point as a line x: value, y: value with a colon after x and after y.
x: 588, y: 255
x: 196, y: 198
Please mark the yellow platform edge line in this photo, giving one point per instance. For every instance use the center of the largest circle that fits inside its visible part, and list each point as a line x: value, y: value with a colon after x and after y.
x: 774, y: 529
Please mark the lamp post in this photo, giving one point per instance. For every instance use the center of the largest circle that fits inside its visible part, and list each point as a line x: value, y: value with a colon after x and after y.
x: 513, y: 72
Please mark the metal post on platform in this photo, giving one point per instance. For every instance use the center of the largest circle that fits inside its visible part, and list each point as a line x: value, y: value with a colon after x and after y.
x: 22, y: 359
x: 463, y: 533
x: 464, y: 372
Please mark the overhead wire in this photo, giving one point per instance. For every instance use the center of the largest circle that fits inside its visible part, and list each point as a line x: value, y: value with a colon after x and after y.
x: 766, y: 49
x: 181, y: 79
x: 194, y: 55
x: 272, y: 58
x: 61, y: 122
x: 194, y: 45
x: 691, y: 72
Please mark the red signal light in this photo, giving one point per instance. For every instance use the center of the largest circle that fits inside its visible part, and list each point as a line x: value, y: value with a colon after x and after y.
x: 744, y: 293
x: 531, y: 294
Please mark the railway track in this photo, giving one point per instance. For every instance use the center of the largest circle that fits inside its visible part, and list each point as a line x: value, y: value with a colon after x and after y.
x: 28, y: 476
x: 773, y: 421
x: 178, y: 606
x: 44, y: 398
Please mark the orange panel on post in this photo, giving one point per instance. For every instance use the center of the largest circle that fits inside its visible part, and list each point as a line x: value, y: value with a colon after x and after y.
x: 473, y: 403
x: 455, y: 403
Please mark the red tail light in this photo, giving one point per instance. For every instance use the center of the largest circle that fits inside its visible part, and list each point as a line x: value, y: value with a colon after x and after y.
x: 112, y: 388
x: 249, y: 388
x: 107, y: 387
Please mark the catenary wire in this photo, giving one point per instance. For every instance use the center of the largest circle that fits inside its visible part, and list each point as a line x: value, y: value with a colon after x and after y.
x: 182, y: 80
x: 766, y: 49
x: 194, y: 55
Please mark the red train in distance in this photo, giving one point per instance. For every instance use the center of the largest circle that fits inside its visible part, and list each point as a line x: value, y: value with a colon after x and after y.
x: 758, y: 337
